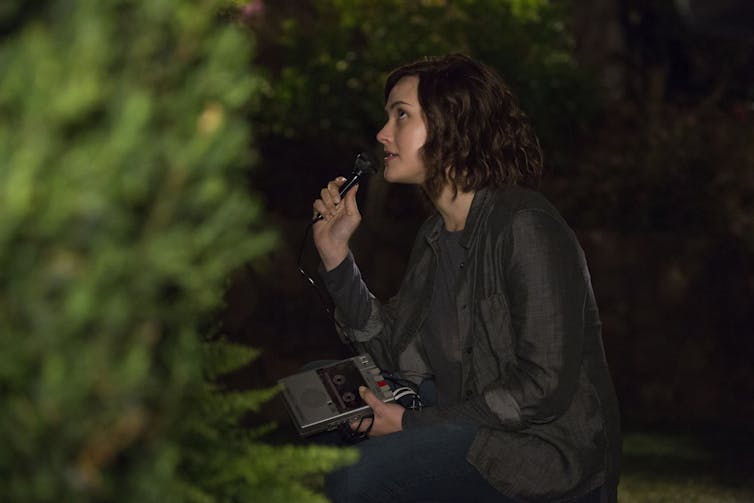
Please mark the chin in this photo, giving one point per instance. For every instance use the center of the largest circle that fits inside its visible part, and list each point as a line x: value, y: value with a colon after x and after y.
x: 388, y: 175
x: 393, y: 179
x: 394, y: 176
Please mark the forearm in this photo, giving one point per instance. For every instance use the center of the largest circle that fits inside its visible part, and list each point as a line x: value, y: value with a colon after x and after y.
x: 349, y: 293
x: 473, y: 411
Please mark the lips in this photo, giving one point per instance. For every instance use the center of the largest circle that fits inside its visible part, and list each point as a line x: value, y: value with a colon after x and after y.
x: 389, y: 156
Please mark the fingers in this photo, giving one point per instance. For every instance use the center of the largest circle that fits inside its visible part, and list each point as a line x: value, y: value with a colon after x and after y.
x: 334, y: 189
x: 329, y: 198
x: 349, y: 201
x: 319, y: 208
x: 362, y: 424
x: 330, y: 195
x: 373, y: 402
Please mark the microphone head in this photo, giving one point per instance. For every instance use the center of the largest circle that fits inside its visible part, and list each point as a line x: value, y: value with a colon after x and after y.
x: 364, y: 165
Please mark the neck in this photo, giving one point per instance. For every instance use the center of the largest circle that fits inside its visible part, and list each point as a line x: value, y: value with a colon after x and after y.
x: 454, y: 211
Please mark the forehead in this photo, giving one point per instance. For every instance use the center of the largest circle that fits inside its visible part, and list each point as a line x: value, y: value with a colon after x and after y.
x: 406, y: 90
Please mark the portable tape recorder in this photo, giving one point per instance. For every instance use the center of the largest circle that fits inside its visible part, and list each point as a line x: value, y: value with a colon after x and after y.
x: 324, y: 398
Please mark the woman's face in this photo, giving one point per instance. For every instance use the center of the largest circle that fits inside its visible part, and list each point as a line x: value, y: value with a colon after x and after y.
x: 404, y: 134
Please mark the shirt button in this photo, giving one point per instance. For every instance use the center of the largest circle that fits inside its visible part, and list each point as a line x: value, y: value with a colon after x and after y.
x: 469, y: 350
x: 462, y: 264
x: 469, y: 392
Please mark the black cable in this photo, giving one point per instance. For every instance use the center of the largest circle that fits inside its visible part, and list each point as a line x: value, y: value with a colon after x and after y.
x: 351, y: 435
x: 322, y: 296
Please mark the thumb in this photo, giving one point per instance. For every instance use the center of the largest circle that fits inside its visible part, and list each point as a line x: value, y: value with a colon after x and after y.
x: 371, y: 400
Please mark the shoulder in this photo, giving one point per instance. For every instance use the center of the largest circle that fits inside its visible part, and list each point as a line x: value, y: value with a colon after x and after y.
x: 520, y: 205
x: 522, y: 220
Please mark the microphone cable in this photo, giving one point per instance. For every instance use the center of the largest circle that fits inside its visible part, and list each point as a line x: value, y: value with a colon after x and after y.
x: 323, y: 297
x: 364, y: 165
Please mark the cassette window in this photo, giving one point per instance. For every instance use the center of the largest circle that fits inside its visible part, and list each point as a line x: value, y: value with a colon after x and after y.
x: 342, y: 382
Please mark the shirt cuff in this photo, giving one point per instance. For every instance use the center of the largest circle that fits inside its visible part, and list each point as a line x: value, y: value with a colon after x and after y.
x: 417, y: 418
x: 338, y: 276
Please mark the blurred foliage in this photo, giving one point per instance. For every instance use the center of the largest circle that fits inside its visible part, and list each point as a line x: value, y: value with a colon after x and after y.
x: 123, y: 211
x: 328, y: 60
x: 332, y: 63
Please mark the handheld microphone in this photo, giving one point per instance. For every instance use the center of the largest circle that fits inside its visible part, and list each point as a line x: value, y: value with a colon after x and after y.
x: 363, y: 166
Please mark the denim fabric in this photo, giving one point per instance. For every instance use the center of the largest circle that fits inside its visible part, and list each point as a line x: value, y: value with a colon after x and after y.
x: 421, y: 465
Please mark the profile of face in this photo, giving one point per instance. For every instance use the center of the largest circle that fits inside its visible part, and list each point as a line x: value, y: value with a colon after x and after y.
x: 404, y: 133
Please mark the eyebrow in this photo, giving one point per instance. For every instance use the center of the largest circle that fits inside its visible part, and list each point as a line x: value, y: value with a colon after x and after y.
x: 395, y: 104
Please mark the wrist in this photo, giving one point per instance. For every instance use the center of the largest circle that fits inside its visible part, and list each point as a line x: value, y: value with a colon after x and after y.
x: 333, y: 258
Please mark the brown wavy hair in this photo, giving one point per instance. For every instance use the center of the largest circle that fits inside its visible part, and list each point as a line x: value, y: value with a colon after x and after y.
x: 477, y: 135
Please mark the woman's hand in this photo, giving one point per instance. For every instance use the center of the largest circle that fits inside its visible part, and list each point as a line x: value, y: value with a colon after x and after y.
x: 340, y: 220
x: 388, y: 417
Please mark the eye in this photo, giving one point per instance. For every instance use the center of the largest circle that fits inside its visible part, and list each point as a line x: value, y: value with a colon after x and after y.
x: 401, y: 113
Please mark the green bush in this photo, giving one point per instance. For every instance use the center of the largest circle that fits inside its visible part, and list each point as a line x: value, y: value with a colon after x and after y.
x: 123, y: 211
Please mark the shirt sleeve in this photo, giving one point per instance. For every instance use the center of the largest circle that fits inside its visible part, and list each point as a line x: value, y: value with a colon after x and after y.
x: 546, y: 293
x: 349, y: 293
x: 361, y: 319
x: 474, y: 411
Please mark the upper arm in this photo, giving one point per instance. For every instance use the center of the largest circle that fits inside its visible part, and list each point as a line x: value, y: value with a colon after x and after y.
x: 546, y: 293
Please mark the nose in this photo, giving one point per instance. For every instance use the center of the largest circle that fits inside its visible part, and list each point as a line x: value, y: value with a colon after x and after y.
x: 383, y: 135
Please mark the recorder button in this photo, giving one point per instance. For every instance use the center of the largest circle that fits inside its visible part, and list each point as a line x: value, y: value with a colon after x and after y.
x: 381, y: 383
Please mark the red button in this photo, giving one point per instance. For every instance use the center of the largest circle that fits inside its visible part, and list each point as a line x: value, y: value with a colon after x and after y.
x: 381, y: 384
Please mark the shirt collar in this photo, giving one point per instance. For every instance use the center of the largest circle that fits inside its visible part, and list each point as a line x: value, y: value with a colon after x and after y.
x: 473, y: 220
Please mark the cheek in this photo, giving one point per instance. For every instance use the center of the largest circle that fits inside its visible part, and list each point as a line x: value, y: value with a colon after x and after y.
x: 419, y: 138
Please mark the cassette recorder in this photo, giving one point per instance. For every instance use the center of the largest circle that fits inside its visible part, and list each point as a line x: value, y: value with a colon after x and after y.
x: 323, y: 398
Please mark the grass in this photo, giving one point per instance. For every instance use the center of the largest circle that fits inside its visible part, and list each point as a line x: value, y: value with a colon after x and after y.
x: 701, y: 465
x: 664, y: 464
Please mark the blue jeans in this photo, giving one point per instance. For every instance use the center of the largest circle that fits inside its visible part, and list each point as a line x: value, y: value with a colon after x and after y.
x: 426, y: 464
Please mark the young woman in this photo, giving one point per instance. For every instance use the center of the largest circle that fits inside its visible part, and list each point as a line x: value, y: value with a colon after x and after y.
x: 496, y: 308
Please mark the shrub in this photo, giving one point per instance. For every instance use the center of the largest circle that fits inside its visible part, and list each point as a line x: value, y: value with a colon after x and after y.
x: 123, y: 211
